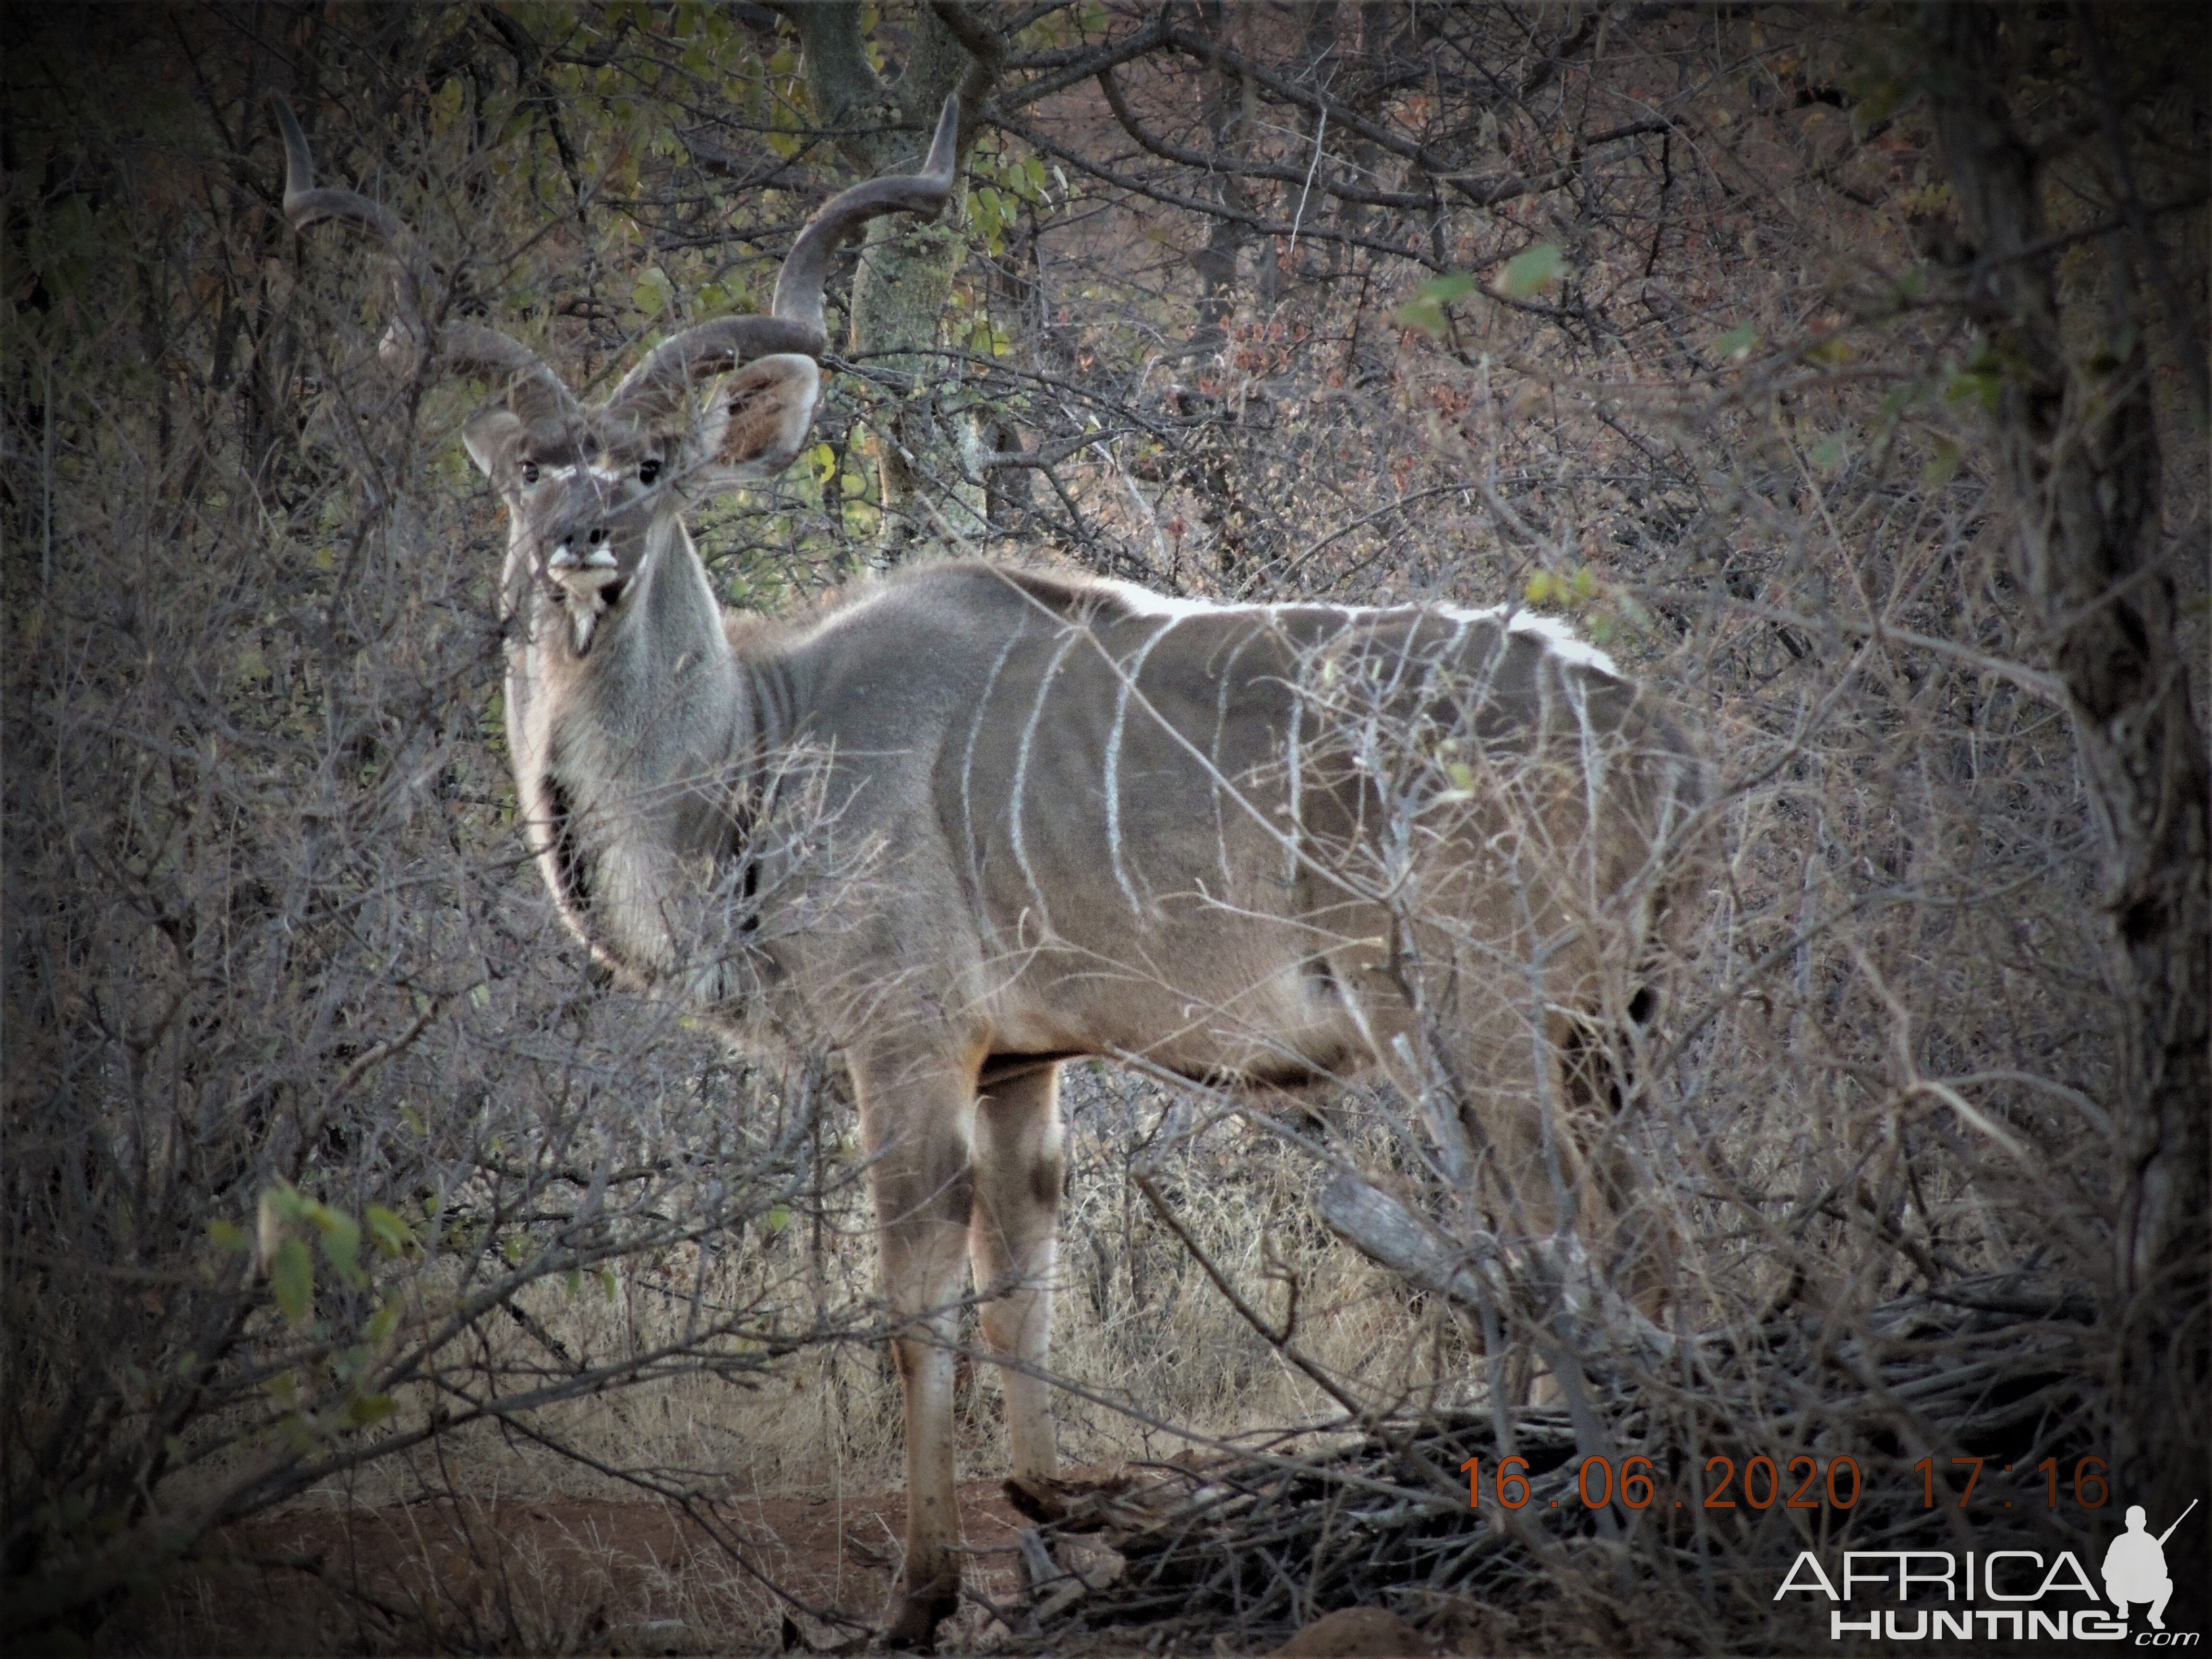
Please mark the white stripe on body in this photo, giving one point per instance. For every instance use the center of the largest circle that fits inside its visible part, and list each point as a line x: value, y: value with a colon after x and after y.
x: 1593, y: 751
x: 1121, y: 695
x: 1213, y: 758
x: 1067, y: 639
x: 968, y: 765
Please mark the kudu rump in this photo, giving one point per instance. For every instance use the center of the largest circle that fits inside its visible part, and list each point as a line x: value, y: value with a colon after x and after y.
x: 971, y: 822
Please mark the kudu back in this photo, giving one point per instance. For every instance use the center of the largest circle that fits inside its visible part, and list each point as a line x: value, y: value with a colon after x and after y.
x: 969, y: 821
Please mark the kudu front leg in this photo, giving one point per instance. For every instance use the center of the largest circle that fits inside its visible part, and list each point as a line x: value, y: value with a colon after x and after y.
x: 920, y: 1130
x: 1020, y: 1165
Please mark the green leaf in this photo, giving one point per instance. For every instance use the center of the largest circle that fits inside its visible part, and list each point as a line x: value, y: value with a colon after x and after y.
x: 1736, y: 345
x: 653, y: 292
x: 384, y: 1321
x: 292, y: 1280
x: 1531, y: 271
x: 1423, y: 316
x: 227, y: 1235
x: 1974, y: 386
x: 1424, y: 312
x: 444, y: 106
x: 388, y: 1231
x: 779, y: 1218
x: 366, y: 1408
x: 342, y: 1248
x: 284, y: 1203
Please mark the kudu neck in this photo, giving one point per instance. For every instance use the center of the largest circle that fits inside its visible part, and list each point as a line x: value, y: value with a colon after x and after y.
x: 659, y: 665
x: 675, y: 621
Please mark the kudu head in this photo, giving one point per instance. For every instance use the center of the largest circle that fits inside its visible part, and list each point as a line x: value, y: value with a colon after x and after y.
x: 593, y: 490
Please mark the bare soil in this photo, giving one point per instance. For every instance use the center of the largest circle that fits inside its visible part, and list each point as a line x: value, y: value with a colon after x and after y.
x: 558, y: 1575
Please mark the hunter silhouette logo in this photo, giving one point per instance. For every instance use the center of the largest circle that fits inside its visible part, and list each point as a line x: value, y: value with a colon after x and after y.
x: 2135, y: 1565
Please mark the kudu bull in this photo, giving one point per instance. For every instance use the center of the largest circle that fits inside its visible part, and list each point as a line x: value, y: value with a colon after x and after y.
x: 970, y: 822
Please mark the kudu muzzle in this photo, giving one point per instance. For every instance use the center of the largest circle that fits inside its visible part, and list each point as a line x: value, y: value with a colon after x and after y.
x: 588, y: 538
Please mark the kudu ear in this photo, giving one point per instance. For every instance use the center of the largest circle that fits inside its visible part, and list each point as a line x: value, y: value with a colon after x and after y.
x: 492, y: 439
x: 758, y: 421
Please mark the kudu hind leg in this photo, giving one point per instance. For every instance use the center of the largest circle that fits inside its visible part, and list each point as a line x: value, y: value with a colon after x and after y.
x: 918, y: 1123
x: 1020, y: 1164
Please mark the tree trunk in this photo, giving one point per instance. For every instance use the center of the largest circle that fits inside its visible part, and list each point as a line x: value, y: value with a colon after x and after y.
x: 2075, y: 430
x: 1222, y: 112
x: 903, y: 289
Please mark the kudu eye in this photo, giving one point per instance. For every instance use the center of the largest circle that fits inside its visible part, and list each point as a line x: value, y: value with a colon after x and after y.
x: 648, y: 469
x: 530, y: 472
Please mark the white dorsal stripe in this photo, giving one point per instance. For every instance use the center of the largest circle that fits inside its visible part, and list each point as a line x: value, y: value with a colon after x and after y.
x: 1557, y: 638
x: 1561, y: 641
x: 1145, y: 603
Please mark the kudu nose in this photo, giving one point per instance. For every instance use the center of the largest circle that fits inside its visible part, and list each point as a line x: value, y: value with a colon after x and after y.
x: 565, y: 557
